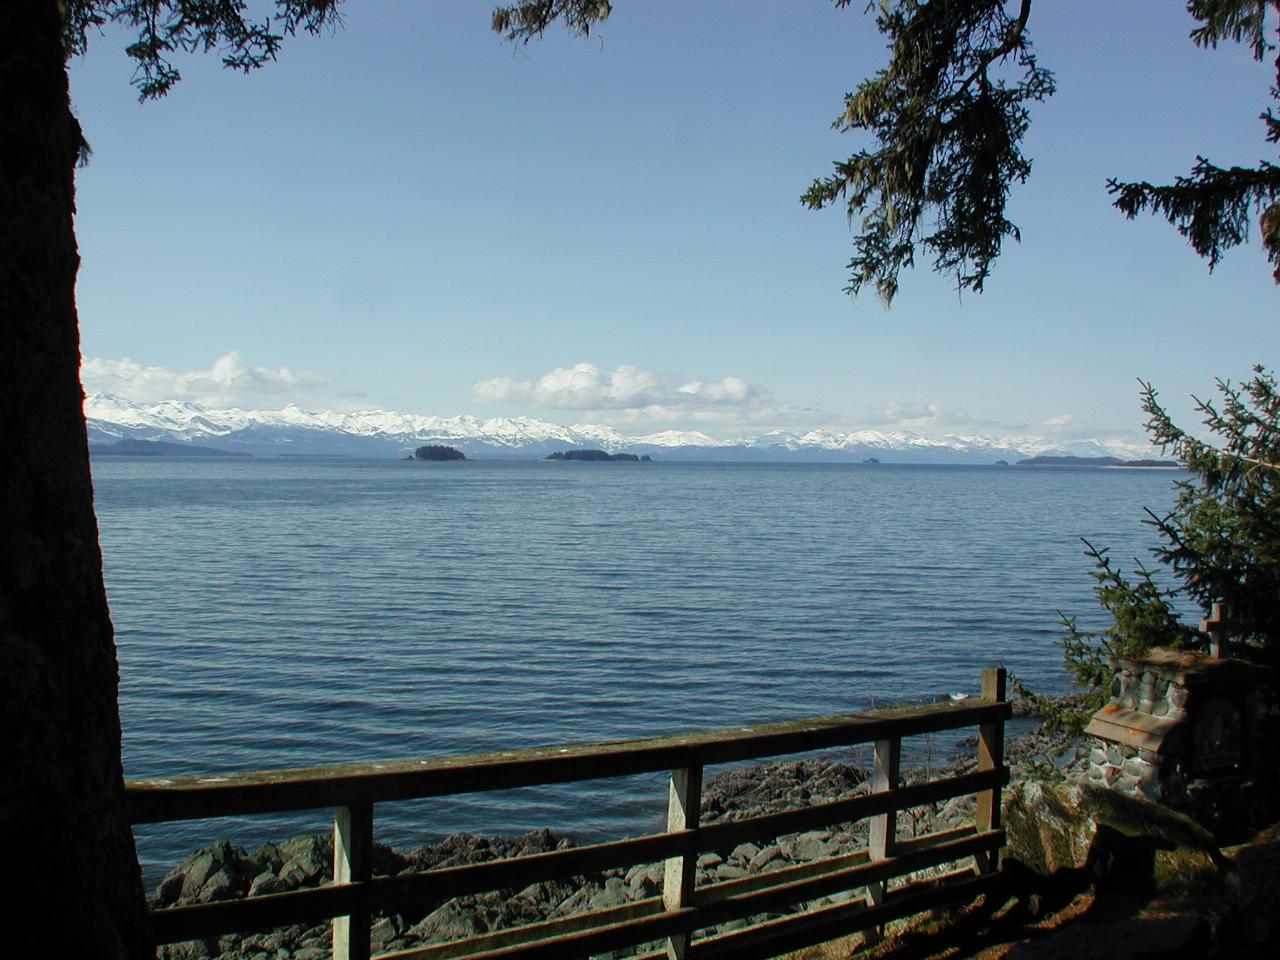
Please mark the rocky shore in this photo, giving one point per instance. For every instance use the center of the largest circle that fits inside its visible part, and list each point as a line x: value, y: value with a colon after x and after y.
x: 223, y: 871
x: 1089, y: 873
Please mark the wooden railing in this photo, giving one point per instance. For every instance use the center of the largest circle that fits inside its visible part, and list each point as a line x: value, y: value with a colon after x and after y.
x: 684, y: 909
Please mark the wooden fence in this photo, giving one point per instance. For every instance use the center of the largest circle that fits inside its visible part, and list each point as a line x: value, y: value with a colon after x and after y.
x: 683, y: 910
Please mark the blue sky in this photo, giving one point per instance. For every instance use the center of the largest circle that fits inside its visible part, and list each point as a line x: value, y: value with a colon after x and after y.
x: 412, y: 214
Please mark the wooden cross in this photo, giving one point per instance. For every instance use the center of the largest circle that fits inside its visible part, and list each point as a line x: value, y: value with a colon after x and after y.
x: 1217, y: 627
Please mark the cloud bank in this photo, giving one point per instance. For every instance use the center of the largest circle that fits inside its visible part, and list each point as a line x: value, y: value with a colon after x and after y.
x: 228, y: 382
x: 626, y: 397
x: 630, y: 394
x: 929, y: 417
x: 933, y: 419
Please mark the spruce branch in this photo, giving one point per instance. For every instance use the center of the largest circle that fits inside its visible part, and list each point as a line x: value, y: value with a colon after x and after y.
x: 1212, y: 206
x: 947, y: 142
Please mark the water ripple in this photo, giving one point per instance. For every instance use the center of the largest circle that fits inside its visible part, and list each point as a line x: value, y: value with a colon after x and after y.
x: 289, y: 613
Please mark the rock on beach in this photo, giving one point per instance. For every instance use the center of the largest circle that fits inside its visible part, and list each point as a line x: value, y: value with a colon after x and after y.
x: 223, y: 871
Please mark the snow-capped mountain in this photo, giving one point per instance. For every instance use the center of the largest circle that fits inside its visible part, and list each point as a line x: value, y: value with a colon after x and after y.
x: 380, y: 433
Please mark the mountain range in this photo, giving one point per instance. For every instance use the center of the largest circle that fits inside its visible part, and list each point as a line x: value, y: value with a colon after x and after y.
x: 293, y: 431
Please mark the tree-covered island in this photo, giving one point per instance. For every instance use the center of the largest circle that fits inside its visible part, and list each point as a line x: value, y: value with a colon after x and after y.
x: 597, y: 456
x: 437, y: 452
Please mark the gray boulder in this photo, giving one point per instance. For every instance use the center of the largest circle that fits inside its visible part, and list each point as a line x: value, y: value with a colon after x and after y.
x: 1055, y: 829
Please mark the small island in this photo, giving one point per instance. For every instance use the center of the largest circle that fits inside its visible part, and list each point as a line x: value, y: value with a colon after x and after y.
x: 1045, y: 460
x: 597, y: 456
x: 435, y: 452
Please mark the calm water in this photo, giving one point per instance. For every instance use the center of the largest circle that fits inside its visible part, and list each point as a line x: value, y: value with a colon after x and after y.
x: 288, y: 613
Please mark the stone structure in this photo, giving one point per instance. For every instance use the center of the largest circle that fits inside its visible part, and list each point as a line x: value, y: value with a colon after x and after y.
x: 1195, y: 731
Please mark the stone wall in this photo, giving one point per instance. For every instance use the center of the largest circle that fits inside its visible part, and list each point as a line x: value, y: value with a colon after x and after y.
x: 1158, y: 690
x: 1135, y: 772
x: 1192, y: 731
x: 1134, y: 745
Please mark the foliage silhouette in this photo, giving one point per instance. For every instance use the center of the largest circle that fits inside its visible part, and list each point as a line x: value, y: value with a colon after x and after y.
x: 947, y: 116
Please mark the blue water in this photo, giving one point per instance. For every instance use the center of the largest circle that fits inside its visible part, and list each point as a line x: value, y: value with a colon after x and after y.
x: 289, y: 613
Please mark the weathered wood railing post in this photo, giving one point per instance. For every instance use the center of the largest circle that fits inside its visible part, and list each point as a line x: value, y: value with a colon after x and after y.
x: 1218, y: 626
x: 884, y: 828
x: 683, y: 804
x: 990, y: 757
x: 352, y: 860
x: 684, y: 908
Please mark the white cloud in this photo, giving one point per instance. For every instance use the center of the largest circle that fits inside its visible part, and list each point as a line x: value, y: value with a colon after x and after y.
x: 228, y: 382
x: 632, y: 393
x: 932, y: 419
x: 925, y: 417
x: 1063, y: 424
x: 911, y: 414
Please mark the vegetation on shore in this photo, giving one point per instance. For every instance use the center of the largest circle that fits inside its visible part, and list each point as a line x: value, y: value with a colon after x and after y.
x: 1221, y: 544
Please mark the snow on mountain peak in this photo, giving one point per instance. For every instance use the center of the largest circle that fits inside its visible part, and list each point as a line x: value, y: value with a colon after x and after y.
x: 371, y: 430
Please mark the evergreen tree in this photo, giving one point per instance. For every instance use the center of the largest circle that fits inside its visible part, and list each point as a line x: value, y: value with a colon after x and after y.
x: 61, y: 782
x: 1220, y: 542
x: 1222, y: 539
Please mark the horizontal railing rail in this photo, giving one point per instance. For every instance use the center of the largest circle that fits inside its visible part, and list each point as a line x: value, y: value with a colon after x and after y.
x: 683, y: 909
x: 193, y: 798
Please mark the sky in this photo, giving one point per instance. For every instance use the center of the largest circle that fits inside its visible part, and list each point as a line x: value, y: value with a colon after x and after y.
x: 412, y: 214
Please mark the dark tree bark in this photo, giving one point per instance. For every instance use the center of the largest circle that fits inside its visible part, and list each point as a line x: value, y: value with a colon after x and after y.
x: 67, y: 844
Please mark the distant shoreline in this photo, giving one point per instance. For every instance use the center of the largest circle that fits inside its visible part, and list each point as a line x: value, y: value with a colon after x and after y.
x: 162, y: 448
x: 1067, y: 461
x: 167, y: 450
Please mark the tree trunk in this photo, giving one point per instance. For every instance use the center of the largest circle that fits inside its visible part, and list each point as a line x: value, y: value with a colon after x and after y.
x: 67, y: 844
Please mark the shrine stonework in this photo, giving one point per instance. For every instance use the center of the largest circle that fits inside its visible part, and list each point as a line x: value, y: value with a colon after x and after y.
x: 1194, y: 731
